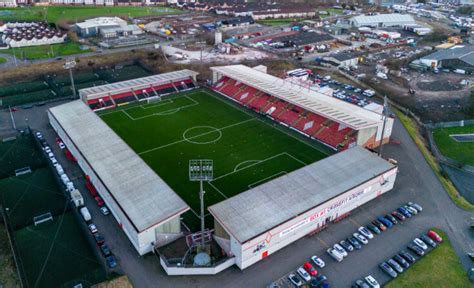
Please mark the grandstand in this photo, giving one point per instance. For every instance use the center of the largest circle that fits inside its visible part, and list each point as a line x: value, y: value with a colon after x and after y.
x: 329, y: 120
x: 140, y: 89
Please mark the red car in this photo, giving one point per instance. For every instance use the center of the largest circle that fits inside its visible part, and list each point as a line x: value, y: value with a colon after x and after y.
x: 433, y: 235
x: 99, y: 201
x: 310, y: 269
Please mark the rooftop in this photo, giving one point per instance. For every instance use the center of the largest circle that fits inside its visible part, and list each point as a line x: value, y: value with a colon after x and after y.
x: 264, y: 207
x: 462, y: 52
x: 140, y: 193
x: 340, y: 111
x: 101, y: 22
x: 382, y: 18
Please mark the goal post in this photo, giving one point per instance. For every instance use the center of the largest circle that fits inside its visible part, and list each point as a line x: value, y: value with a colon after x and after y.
x: 153, y: 99
x: 40, y: 219
x: 22, y: 171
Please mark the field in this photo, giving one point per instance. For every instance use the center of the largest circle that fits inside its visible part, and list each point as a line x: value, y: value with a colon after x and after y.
x: 73, y: 14
x: 278, y: 21
x: 18, y: 153
x: 462, y: 152
x: 46, y: 51
x: 247, y: 150
x: 440, y: 268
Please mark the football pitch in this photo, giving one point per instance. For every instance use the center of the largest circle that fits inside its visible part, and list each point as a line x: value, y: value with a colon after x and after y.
x: 247, y: 149
x: 456, y: 143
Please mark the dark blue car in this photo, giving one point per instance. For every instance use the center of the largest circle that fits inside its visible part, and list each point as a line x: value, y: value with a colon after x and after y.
x: 385, y: 221
x: 404, y: 212
x: 111, y: 261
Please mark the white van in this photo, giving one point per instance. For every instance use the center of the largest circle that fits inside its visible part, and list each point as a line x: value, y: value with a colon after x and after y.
x: 65, y: 179
x: 59, y: 169
x: 369, y: 93
x: 85, y: 214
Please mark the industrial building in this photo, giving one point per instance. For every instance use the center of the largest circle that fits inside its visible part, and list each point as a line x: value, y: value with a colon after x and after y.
x: 346, y: 59
x: 382, y: 20
x: 92, y: 27
x: 456, y: 57
x: 257, y: 223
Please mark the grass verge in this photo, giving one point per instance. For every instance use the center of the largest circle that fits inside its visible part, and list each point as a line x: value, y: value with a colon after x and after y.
x: 47, y: 51
x: 278, y: 21
x: 462, y: 152
x: 453, y: 193
x: 3, y: 60
x: 440, y: 268
x: 8, y: 273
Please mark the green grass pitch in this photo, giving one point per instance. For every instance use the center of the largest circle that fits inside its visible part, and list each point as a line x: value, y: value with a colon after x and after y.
x: 460, y: 151
x: 247, y: 149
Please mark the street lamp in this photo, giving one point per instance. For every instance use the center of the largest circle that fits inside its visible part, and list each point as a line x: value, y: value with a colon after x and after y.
x: 69, y: 65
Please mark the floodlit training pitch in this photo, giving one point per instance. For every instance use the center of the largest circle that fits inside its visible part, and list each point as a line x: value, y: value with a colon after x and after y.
x: 247, y: 149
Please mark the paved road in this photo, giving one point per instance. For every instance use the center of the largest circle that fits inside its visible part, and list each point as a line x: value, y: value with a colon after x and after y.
x: 416, y: 182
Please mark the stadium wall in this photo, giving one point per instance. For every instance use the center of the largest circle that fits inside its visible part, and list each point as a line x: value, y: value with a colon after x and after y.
x: 275, y: 239
x: 143, y: 241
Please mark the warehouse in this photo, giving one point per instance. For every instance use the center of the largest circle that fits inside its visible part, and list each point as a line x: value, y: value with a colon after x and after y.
x: 264, y: 219
x: 346, y: 59
x: 146, y: 208
x: 382, y: 20
x: 457, y: 57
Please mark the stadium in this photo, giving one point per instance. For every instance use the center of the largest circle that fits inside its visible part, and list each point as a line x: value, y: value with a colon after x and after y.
x: 287, y: 160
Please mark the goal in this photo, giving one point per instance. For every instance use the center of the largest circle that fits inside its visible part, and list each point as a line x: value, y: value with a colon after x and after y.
x: 153, y: 99
x: 22, y: 171
x: 43, y: 218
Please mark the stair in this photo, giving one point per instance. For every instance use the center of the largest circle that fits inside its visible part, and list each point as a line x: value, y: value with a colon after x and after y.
x: 270, y: 102
x: 301, y: 117
x: 319, y: 131
x: 255, y: 96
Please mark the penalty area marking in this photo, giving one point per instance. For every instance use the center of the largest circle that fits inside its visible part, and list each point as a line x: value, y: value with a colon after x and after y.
x: 163, y: 113
x: 212, y: 129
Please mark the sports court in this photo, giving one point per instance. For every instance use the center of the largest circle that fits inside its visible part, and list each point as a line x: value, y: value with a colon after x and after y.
x: 247, y: 149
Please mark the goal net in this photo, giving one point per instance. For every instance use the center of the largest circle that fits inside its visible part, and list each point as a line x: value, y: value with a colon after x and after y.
x: 22, y: 171
x: 43, y: 218
x: 153, y: 99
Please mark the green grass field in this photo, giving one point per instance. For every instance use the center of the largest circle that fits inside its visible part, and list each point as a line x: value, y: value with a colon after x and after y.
x: 73, y: 14
x: 19, y: 153
x: 460, y: 151
x: 440, y: 268
x: 56, y: 254
x: 3, y: 60
x: 247, y: 150
x: 46, y: 51
x: 278, y: 21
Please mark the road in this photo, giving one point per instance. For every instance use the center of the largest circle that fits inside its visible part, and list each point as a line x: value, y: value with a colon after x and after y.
x: 416, y: 182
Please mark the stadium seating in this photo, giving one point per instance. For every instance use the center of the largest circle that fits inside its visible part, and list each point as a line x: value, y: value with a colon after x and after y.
x: 290, y: 115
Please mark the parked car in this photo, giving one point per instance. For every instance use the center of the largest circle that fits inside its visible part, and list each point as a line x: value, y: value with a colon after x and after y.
x: 391, y: 219
x: 360, y: 238
x: 39, y: 135
x: 318, y: 261
x: 428, y: 240
x: 310, y: 269
x: 47, y: 149
x: 372, y: 282
x: 385, y: 221
x: 374, y: 229
x: 361, y: 284
x: 433, y: 235
x: 354, y: 242
x: 398, y: 215
x: 401, y: 261
x: 319, y: 281
x: 395, y: 265
x: 379, y: 225
x: 416, y: 206
x: 407, y: 256
x: 410, y: 209
x: 387, y: 269
x: 93, y: 228
x: 62, y: 146
x: 420, y: 243
x: 111, y: 261
x: 365, y: 232
x: 295, y: 280
x: 339, y: 249
x: 104, y: 210
x: 335, y: 255
x: 105, y: 250
x: 303, y: 274
x: 416, y: 249
x: 405, y: 212
x: 99, y: 239
x: 99, y: 201
x: 346, y: 245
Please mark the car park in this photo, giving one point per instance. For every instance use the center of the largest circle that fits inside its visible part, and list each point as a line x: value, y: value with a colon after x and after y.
x: 346, y: 245
x: 404, y: 212
x: 354, y: 242
x: 420, y: 243
x: 303, y: 274
x: 365, y: 232
x: 105, y: 250
x: 93, y: 228
x: 318, y: 261
x: 360, y: 238
x: 416, y: 249
x: 335, y: 255
x: 99, y: 239
x: 401, y: 261
x: 372, y: 282
x: 428, y: 240
x: 385, y: 221
x: 310, y: 269
x: 339, y: 249
x: 387, y: 269
x: 398, y: 215
x: 111, y: 261
x: 415, y: 206
x: 407, y: 256
x: 104, y: 210
x: 391, y: 219
x: 361, y: 284
x: 395, y: 265
x: 379, y: 225
x: 433, y: 235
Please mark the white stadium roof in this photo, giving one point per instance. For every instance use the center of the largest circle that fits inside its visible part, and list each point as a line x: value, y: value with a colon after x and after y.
x: 141, y: 194
x: 332, y: 108
x: 264, y: 207
x: 138, y: 83
x: 387, y: 19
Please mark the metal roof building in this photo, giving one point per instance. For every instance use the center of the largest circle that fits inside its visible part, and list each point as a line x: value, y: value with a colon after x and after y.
x: 268, y: 217
x: 457, y: 57
x: 382, y: 20
x: 143, y: 204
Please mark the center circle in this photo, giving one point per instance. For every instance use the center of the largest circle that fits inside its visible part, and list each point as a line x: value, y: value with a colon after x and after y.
x: 193, y: 134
